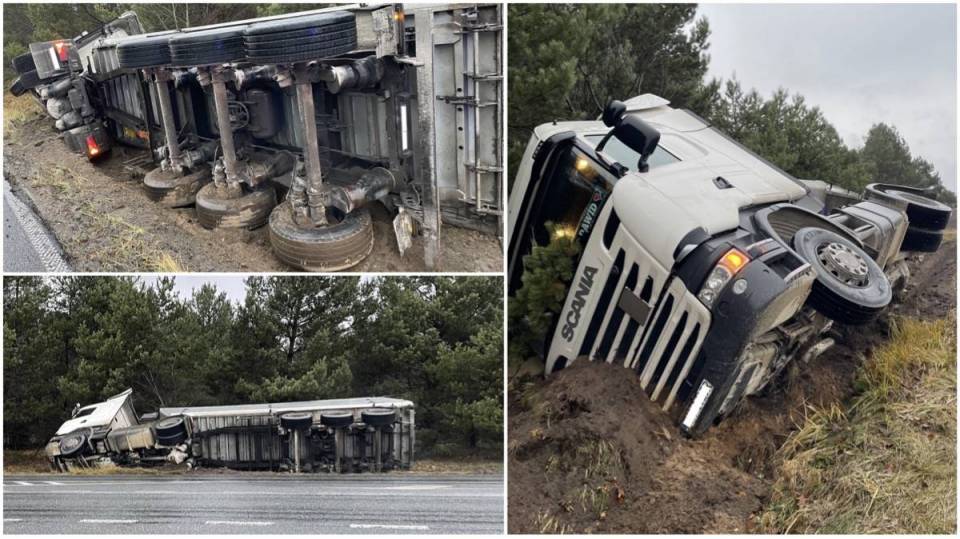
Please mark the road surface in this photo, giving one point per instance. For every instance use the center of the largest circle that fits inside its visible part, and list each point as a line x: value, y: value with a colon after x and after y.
x: 220, y: 504
x: 27, y: 245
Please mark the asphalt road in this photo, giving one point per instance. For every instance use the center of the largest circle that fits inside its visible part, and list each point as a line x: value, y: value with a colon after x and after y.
x: 316, y: 504
x: 27, y: 245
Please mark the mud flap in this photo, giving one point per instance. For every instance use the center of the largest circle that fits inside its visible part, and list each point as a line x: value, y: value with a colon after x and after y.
x: 403, y: 227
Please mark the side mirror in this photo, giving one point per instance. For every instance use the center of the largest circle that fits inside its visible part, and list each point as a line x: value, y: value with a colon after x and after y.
x: 613, y: 113
x: 639, y: 136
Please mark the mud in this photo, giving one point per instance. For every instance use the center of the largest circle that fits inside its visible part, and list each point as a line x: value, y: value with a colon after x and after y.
x: 662, y: 482
x: 105, y: 222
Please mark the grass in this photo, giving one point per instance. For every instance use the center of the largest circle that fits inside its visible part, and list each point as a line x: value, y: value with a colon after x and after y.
x: 459, y: 465
x: 886, y: 463
x: 16, y: 112
x: 25, y: 461
x: 34, y: 461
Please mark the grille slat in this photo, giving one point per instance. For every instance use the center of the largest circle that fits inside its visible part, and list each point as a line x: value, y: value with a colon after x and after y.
x: 690, y: 355
x: 682, y: 336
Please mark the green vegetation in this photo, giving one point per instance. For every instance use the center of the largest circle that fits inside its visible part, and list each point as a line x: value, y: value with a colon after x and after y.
x: 436, y: 341
x: 568, y: 60
x: 887, y: 462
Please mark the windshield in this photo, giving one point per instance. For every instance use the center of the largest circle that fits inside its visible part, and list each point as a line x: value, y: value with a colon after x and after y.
x: 568, y: 195
x: 622, y: 154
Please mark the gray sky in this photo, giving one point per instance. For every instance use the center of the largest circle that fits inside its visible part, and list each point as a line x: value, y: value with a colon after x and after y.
x: 184, y: 285
x: 861, y: 64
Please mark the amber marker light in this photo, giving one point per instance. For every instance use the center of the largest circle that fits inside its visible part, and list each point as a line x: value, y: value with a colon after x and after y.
x: 729, y: 264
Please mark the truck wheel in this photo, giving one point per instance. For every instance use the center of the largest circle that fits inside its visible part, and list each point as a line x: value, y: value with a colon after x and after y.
x: 924, y: 212
x: 921, y: 211
x: 850, y: 287
x: 172, y: 190
x: 921, y: 240
x: 215, y: 46
x: 336, y: 419
x: 172, y: 440
x: 73, y: 444
x: 24, y: 63
x: 169, y: 427
x: 296, y: 420
x: 305, y: 38
x: 220, y: 207
x: 333, y: 247
x: 378, y: 417
x: 145, y: 51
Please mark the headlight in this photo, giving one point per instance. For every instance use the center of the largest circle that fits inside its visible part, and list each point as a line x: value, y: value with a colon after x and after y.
x: 729, y: 264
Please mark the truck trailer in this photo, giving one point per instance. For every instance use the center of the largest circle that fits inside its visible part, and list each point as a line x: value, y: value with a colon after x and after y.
x: 327, y: 111
x: 341, y: 435
x: 700, y: 266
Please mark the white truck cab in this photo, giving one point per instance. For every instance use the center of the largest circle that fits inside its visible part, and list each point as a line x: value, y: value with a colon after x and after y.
x: 702, y: 267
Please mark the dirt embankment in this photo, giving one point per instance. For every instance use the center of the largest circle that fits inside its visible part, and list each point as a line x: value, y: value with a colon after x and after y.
x: 105, y: 223
x: 589, y: 452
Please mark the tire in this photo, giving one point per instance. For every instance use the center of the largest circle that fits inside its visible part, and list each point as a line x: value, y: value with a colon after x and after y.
x: 336, y: 419
x: 924, y: 212
x: 146, y: 51
x: 169, y: 427
x: 921, y: 240
x: 174, y: 191
x: 301, y: 33
x: 24, y: 63
x: 251, y: 210
x: 300, y: 39
x: 296, y: 420
x: 328, y: 248
x: 836, y: 295
x: 172, y: 440
x: 379, y: 417
x: 73, y: 444
x: 214, y: 46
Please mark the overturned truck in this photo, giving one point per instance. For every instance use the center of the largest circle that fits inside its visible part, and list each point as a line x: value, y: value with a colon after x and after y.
x: 341, y: 435
x: 700, y: 266
x: 298, y: 121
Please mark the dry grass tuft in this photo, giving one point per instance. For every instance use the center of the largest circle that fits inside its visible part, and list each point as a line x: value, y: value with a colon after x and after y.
x: 16, y: 112
x: 166, y: 263
x: 887, y: 462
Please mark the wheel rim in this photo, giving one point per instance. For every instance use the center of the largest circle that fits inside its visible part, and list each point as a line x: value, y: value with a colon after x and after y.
x: 845, y: 264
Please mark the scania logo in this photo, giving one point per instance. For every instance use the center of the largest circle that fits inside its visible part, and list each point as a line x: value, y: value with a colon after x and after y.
x: 579, y: 300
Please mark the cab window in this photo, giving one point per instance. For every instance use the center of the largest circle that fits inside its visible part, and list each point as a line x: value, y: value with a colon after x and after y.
x: 622, y: 154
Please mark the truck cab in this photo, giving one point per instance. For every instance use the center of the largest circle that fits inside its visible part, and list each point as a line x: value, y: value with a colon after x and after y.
x: 700, y: 266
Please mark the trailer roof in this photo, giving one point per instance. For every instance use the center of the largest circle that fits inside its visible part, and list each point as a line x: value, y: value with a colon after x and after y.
x: 301, y: 406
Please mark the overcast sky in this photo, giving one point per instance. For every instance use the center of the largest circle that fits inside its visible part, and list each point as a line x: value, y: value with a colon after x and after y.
x: 184, y: 285
x: 861, y: 64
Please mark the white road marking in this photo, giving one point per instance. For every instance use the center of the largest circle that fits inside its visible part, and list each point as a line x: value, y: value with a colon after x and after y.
x: 23, y: 483
x: 53, y: 483
x: 390, y: 526
x: 416, y: 487
x: 255, y: 493
x: 239, y: 523
x: 107, y: 521
x: 13, y: 520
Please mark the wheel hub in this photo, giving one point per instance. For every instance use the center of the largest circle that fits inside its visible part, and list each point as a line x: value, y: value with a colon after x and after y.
x: 844, y: 263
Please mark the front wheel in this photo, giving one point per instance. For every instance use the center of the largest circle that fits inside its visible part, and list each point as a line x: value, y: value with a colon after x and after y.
x: 850, y: 287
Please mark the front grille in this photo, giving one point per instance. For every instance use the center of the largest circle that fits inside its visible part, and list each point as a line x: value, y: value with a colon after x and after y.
x: 643, y: 318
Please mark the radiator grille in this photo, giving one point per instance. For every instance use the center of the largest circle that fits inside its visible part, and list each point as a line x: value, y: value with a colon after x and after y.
x: 644, y: 319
